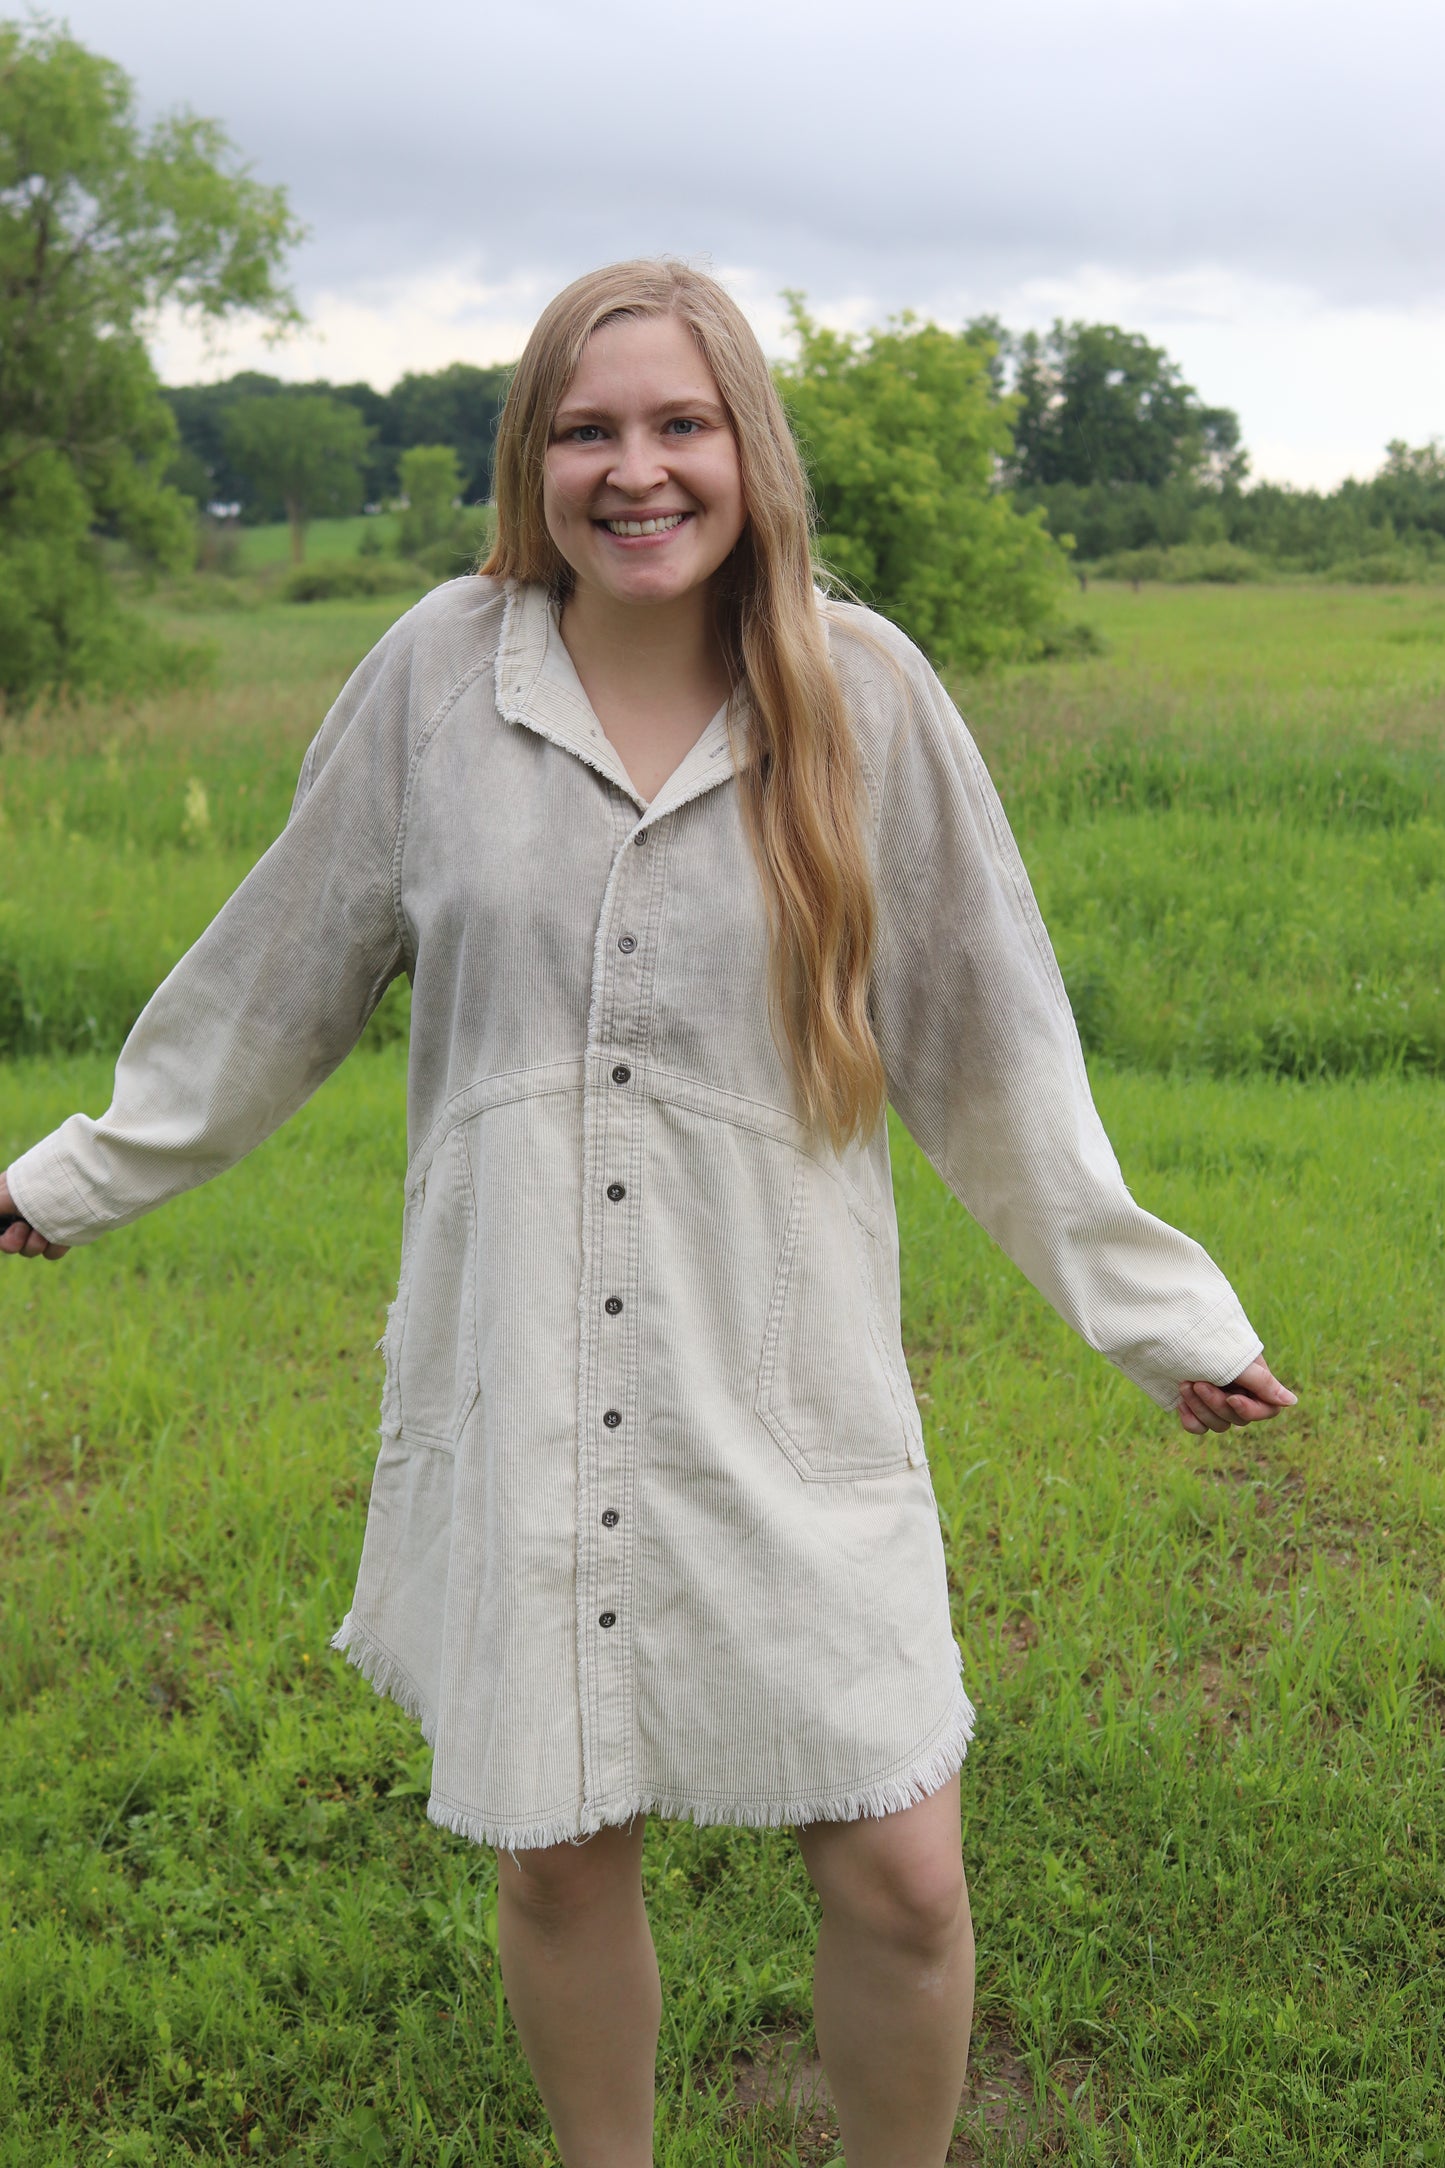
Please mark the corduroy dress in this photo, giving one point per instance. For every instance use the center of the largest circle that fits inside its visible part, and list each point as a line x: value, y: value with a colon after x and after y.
x: 651, y: 1524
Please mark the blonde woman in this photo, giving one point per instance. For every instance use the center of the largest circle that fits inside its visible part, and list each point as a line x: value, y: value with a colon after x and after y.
x: 691, y: 871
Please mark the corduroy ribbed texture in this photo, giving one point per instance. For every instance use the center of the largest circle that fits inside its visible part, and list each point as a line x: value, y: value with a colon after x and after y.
x: 643, y: 1365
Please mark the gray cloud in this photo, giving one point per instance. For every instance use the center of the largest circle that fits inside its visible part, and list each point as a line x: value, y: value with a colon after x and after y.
x: 915, y: 153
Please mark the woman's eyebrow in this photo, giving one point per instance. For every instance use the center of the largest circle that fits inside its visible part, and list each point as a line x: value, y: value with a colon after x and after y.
x: 569, y: 416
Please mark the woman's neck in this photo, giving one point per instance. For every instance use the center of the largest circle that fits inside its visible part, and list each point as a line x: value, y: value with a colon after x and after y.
x: 650, y: 653
x: 655, y: 677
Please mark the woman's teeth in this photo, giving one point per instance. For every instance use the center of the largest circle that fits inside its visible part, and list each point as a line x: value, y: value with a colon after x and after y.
x: 645, y: 526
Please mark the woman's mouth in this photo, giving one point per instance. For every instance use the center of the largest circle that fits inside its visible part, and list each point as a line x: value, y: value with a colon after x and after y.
x: 659, y: 523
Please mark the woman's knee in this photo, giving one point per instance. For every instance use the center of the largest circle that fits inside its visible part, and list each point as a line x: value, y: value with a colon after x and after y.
x: 903, y: 1885
x: 560, y: 1882
x: 916, y: 1904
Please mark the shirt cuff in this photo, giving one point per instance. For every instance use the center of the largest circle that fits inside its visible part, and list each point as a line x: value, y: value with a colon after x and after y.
x: 1223, y: 1344
x: 47, y: 1195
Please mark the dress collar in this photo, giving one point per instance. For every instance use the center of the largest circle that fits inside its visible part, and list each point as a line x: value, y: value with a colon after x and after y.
x: 537, y: 685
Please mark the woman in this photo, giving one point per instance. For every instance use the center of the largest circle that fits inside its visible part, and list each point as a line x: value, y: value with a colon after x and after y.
x: 690, y: 870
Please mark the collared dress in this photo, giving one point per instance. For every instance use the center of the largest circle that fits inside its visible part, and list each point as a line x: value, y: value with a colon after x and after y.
x: 651, y: 1527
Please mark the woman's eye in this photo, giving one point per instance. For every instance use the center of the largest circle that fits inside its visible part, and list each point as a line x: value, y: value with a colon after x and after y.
x: 585, y: 433
x: 688, y: 428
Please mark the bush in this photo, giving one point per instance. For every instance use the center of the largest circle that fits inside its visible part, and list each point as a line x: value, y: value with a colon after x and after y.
x: 467, y: 539
x: 902, y: 431
x: 330, y: 581
x: 218, y: 545
x: 1218, y: 562
x: 1381, y: 568
x: 431, y: 483
x: 1071, y: 642
x: 62, y: 630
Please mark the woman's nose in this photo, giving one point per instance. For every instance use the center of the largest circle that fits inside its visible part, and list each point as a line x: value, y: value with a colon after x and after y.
x: 637, y: 468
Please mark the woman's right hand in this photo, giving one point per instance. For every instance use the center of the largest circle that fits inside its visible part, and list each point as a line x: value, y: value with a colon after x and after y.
x: 20, y: 1239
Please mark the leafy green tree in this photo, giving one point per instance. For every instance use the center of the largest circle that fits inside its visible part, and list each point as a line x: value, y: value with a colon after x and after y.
x: 201, y: 411
x: 431, y: 482
x: 458, y: 405
x: 1409, y: 489
x: 102, y: 222
x: 304, y: 453
x: 1098, y: 405
x: 904, y: 435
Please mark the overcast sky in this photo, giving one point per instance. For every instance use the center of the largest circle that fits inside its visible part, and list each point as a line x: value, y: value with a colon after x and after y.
x: 1259, y: 185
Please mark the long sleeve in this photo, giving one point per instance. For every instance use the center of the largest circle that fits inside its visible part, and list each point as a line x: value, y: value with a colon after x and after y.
x: 268, y: 1001
x: 985, y: 1069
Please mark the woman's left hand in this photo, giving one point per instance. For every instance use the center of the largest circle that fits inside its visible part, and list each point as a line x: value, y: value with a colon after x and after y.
x: 1254, y: 1396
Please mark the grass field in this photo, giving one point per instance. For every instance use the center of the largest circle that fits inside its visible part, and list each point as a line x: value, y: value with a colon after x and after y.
x: 270, y: 545
x: 1203, y: 1813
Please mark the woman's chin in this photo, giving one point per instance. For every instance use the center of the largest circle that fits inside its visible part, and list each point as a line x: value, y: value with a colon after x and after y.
x: 643, y: 583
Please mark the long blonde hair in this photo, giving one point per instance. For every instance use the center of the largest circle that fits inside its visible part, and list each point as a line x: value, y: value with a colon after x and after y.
x: 802, y: 784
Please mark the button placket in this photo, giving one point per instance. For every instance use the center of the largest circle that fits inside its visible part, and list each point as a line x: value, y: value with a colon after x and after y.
x: 621, y: 1008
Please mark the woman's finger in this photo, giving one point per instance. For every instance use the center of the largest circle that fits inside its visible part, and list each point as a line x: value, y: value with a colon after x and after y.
x: 20, y: 1239
x: 1255, y: 1396
x: 1214, y: 1401
x: 1210, y: 1418
x: 1249, y: 1410
x: 1260, y: 1382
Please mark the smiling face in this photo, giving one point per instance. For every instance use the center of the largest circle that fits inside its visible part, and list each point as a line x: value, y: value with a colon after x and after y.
x: 643, y: 493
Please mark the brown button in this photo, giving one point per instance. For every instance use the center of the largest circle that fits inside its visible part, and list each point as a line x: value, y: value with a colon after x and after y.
x: 612, y: 1305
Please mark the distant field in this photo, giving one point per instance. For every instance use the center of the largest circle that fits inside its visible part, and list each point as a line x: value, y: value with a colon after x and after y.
x: 1203, y: 1813
x: 1235, y: 819
x: 325, y: 538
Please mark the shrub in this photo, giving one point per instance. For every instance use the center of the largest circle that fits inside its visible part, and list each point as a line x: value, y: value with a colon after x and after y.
x: 902, y: 431
x: 1069, y: 642
x: 1219, y: 562
x: 330, y: 581
x: 1381, y: 568
x: 468, y: 538
x: 431, y: 482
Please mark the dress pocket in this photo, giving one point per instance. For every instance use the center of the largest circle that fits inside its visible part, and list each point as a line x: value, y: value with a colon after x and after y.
x: 431, y: 1336
x: 830, y: 1389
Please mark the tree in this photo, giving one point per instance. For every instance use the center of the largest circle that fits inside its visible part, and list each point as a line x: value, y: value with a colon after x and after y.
x: 1409, y: 489
x: 431, y: 482
x: 1100, y: 405
x: 102, y: 222
x: 904, y: 434
x: 304, y: 454
x: 201, y: 411
x: 458, y: 405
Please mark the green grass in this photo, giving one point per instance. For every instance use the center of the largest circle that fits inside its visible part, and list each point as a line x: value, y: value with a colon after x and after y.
x: 1235, y: 819
x: 270, y: 545
x: 1204, y: 1810
x: 1202, y: 1816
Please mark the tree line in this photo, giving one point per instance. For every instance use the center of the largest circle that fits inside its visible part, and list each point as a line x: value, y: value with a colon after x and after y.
x: 957, y: 473
x: 216, y: 462
x: 1092, y: 426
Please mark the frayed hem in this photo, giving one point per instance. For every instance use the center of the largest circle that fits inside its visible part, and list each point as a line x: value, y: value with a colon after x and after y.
x: 871, y: 1801
x: 389, y: 1677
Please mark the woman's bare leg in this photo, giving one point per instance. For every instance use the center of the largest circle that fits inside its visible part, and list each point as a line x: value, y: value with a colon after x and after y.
x: 893, y: 1980
x: 581, y: 1979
